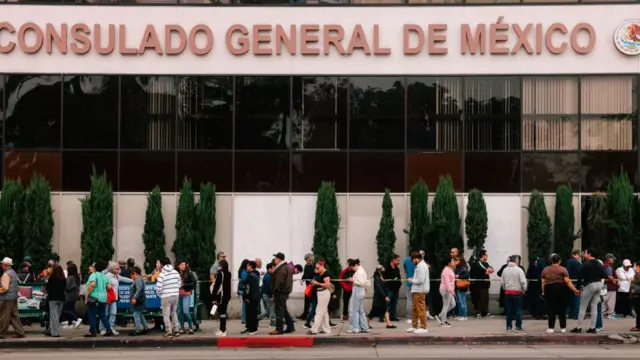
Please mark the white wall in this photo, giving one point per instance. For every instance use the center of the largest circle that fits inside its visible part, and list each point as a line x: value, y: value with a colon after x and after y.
x: 258, y: 225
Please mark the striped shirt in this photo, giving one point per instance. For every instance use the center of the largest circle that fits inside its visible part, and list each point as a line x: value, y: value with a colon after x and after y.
x: 168, y: 283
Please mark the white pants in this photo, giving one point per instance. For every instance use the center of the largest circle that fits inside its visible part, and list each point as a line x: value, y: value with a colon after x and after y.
x: 321, y: 320
x: 448, y: 303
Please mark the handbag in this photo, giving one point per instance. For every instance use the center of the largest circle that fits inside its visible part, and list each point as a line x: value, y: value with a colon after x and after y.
x: 111, y: 295
x: 308, y: 290
x: 462, y: 284
x: 92, y: 300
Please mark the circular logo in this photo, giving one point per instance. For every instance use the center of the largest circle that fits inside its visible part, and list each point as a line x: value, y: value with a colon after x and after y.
x: 626, y: 37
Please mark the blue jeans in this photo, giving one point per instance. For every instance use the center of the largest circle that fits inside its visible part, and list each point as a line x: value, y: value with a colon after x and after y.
x: 574, y: 306
x: 269, y: 310
x: 461, y: 301
x: 94, y: 310
x: 357, y: 316
x: 111, y: 310
x: 599, y: 316
x: 139, y: 322
x: 243, y: 315
x: 513, y: 303
x: 312, y: 312
x: 393, y: 305
x: 184, y: 311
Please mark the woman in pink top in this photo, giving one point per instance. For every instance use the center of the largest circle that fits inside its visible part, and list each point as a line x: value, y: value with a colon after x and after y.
x: 447, y: 290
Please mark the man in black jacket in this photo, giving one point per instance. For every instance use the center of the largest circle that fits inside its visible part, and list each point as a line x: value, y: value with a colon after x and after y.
x: 393, y: 284
x: 480, y: 271
x: 251, y: 296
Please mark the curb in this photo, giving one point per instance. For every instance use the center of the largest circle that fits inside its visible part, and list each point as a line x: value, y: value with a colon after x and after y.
x: 307, y: 342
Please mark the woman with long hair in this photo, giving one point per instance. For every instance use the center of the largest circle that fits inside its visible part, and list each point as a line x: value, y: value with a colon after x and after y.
x: 381, y: 301
x: 72, y: 294
x: 447, y: 290
x: 357, y: 317
x: 221, y: 294
x: 462, y: 273
x: 188, y: 283
x: 242, y: 277
x: 556, y: 284
x: 56, y: 285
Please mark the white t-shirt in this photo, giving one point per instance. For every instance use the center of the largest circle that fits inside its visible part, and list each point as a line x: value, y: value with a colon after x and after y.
x: 625, y: 278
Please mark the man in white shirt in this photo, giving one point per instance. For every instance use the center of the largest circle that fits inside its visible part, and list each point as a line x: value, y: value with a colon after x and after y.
x: 624, y: 274
x: 419, y: 289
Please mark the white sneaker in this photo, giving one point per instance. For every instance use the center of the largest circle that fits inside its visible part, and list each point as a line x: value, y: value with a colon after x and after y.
x: 462, y: 318
x: 103, y: 332
x: 411, y: 330
x: 563, y: 330
x: 78, y: 323
x: 252, y: 333
x: 221, y: 334
x: 115, y: 332
x: 409, y: 321
x: 549, y: 331
x: 421, y: 331
x: 65, y: 327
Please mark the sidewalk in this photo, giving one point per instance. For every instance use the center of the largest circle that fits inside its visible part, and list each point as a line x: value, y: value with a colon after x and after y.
x: 472, y: 332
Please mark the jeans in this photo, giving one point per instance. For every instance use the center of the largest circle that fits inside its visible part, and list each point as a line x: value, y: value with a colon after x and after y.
x: 357, y: 316
x: 282, y: 314
x: 448, y: 304
x: 590, y: 296
x: 69, y: 312
x: 243, y: 314
x: 139, y: 322
x: 111, y: 311
x: 312, y: 312
x: 599, y: 316
x: 97, y: 309
x: 184, y: 311
x: 574, y: 306
x: 610, y: 303
x: 409, y: 302
x: 170, y: 314
x: 269, y: 310
x: 513, y: 303
x: 461, y: 301
x: 393, y: 305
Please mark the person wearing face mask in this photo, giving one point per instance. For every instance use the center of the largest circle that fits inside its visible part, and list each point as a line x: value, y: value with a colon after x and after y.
x: 624, y: 274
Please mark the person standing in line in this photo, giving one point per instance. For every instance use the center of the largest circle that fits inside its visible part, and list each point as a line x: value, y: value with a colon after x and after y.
x: 347, y: 288
x: 267, y: 297
x: 420, y: 285
x: 221, y: 294
x: 138, y: 299
x: 281, y: 286
x: 514, y: 283
x: 573, y: 268
x: 393, y: 284
x: 634, y: 292
x: 590, y: 282
x: 447, y: 290
x: 381, y: 300
x: 357, y: 317
x: 113, y: 275
x: 96, y: 299
x: 187, y: 284
x: 307, y: 275
x: 409, y: 270
x: 322, y: 293
x: 56, y: 285
x: 609, y: 306
x: 480, y: 272
x: 623, y: 302
x: 251, y: 296
x: 72, y: 294
x: 9, y: 300
x: 534, y: 273
x: 260, y: 271
x: 555, y: 283
x: 168, y: 290
x: 214, y: 268
x: 242, y: 277
x: 462, y: 273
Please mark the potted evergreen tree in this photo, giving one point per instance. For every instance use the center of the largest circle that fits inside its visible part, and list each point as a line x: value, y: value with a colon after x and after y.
x: 386, y: 237
x: 96, y: 239
x: 153, y: 236
x: 538, y: 226
x: 476, y: 222
x: 563, y: 229
x: 419, y: 223
x: 38, y: 222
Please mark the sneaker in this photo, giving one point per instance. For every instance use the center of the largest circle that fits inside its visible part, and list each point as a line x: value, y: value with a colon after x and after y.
x: 563, y: 331
x: 411, y: 330
x: 307, y: 326
x: 176, y: 334
x: 549, y: 331
x: 65, y: 327
x: 599, y: 329
x: 577, y: 330
x: 190, y: 332
x: 421, y: 331
x: 438, y: 319
x: 509, y: 329
x: 168, y: 335
x: 115, y: 332
x: 409, y: 321
x: 430, y: 317
x: 78, y: 323
x: 445, y: 324
x: 612, y: 317
x: 591, y: 331
x: 345, y: 318
x: 103, y: 332
x: 488, y: 315
x: 478, y: 316
x: 519, y: 330
x: 244, y: 332
x: 462, y: 318
x: 252, y: 332
x: 351, y: 331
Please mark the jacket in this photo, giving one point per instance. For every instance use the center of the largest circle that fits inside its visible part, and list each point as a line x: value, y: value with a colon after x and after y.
x: 138, y: 291
x: 188, y: 281
x: 282, y: 281
x: 72, y: 289
x: 392, y: 276
x: 344, y: 275
x: 409, y: 269
x: 308, y: 273
x: 379, y: 291
x: 56, y: 289
x: 221, y: 293
x: 252, y: 290
x: 514, y: 280
x: 420, y: 282
x: 478, y: 272
x: 168, y: 283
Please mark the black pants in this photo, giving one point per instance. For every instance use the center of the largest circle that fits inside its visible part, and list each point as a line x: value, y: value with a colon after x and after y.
x: 346, y: 296
x: 307, y: 305
x: 481, y: 305
x: 222, y: 311
x: 636, y: 307
x: 623, y: 304
x: 556, y: 296
x: 251, y: 311
x: 282, y: 314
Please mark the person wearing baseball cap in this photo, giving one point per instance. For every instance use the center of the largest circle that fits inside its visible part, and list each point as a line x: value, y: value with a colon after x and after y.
x: 624, y: 274
x: 9, y: 300
x: 281, y: 286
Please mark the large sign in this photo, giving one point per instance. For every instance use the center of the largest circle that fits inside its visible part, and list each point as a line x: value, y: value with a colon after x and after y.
x: 332, y: 40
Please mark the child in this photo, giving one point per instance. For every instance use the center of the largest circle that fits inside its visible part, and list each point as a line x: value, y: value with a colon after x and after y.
x: 138, y: 298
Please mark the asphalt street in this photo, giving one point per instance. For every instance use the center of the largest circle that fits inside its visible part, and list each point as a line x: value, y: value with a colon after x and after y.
x: 380, y: 352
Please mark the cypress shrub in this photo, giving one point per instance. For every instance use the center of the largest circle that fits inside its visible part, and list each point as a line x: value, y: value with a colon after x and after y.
x: 620, y: 208
x: 476, y: 222
x: 96, y: 239
x: 203, y: 254
x: 598, y: 223
x: 564, y: 224
x: 327, y: 224
x: 445, y: 221
x: 419, y: 223
x: 538, y: 226
x: 38, y: 222
x: 386, y: 238
x: 185, y: 219
x: 153, y: 236
x: 11, y: 217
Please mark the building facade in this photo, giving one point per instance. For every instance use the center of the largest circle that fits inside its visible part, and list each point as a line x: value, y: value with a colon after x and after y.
x: 268, y: 101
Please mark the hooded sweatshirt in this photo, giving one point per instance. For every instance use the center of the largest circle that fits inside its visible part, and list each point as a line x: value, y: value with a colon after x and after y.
x: 420, y: 283
x: 168, y: 283
x: 514, y: 280
x: 221, y: 292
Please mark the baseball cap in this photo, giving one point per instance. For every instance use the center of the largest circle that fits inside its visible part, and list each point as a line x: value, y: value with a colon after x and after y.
x: 609, y: 256
x: 626, y: 262
x: 279, y: 255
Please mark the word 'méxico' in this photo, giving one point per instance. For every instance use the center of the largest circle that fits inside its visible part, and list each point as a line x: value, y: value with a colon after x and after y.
x: 304, y: 39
